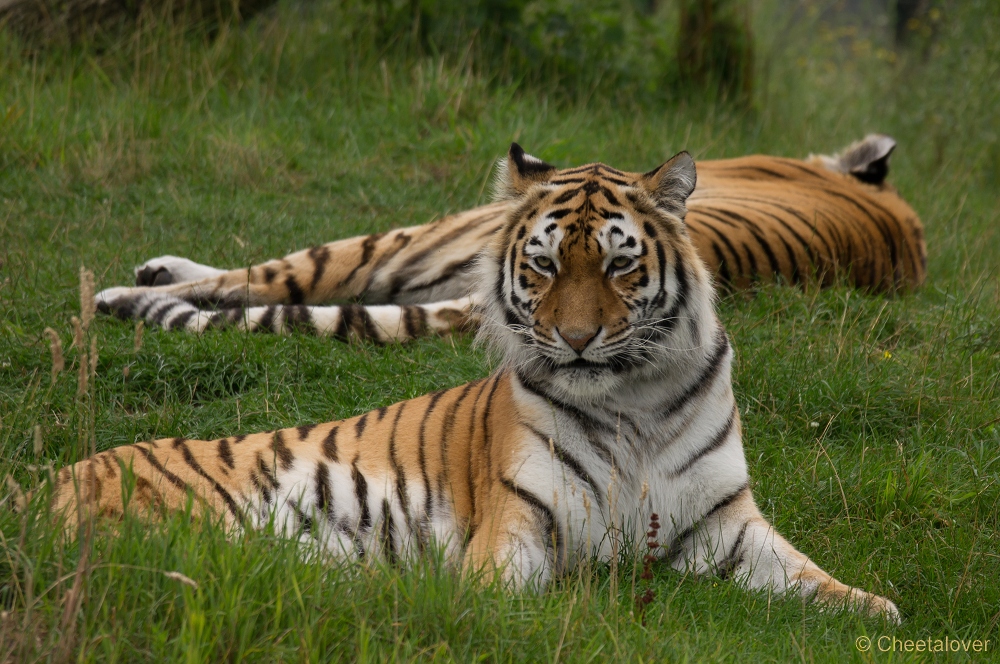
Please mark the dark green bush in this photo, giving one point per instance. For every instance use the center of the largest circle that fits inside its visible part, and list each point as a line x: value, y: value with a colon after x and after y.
x: 653, y: 48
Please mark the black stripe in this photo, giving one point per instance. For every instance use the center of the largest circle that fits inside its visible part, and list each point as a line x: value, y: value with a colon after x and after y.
x: 182, y: 320
x: 340, y: 332
x: 713, y: 444
x: 319, y: 256
x: 471, y: 476
x: 584, y: 419
x: 295, y: 294
x: 304, y: 520
x: 226, y: 453
x: 735, y: 556
x: 155, y: 463
x: 281, y: 450
x: 554, y: 534
x: 369, y: 330
x: 324, y: 494
x: 264, y: 324
x: 755, y: 232
x: 724, y: 239
x: 330, y: 444
x: 807, y: 247
x: 367, y: 251
x: 661, y: 260
x: 298, y: 318
x: 566, y: 196
x: 705, y: 379
x: 748, y: 167
x: 610, y: 196
x: 446, y: 430
x: 422, y: 454
x: 359, y: 426
x: 401, y: 492
x: 447, y: 272
x: 219, y: 489
x: 414, y: 321
x: 411, y: 269
x: 140, y: 313
x: 754, y: 272
x: 388, y: 534
x: 267, y: 472
x: 574, y: 171
x: 887, y: 235
x: 569, y: 461
x: 487, y: 434
x: 361, y: 492
x: 305, y: 430
x: 161, y: 313
x: 675, y: 546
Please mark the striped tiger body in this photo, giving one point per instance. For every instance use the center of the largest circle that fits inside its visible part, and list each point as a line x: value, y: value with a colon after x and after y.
x: 614, y: 401
x: 752, y: 219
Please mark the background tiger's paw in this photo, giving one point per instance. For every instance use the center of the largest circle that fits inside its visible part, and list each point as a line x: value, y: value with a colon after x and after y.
x: 172, y: 270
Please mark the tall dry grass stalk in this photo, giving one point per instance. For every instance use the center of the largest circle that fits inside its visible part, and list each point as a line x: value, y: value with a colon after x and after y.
x: 56, y: 349
x: 88, y: 306
x: 137, y: 344
x: 77, y: 333
x: 16, y: 495
x: 83, y: 376
x: 93, y: 357
x: 87, y: 363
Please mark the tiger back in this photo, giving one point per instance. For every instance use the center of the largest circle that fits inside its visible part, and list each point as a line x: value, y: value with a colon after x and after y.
x: 762, y: 218
x: 613, y: 402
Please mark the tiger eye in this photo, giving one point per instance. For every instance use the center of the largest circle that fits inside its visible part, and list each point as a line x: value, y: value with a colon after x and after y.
x: 543, y: 261
x: 621, y: 261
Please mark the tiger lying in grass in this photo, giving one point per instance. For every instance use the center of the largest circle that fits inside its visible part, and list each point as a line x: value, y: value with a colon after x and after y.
x: 613, y: 402
x: 755, y: 218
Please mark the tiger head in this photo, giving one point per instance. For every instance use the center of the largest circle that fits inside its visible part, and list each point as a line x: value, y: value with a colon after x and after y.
x: 592, y: 283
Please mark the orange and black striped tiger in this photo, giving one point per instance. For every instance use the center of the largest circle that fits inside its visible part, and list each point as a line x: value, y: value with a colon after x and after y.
x: 614, y: 401
x: 757, y: 218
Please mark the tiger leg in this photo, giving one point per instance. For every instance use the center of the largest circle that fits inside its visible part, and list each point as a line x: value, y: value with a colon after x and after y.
x: 149, y: 478
x: 278, y: 479
x: 737, y: 541
x: 327, y: 273
x: 410, y: 265
x: 385, y: 323
x: 516, y: 541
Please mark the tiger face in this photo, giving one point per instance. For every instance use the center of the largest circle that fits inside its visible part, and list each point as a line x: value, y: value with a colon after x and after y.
x: 593, y: 273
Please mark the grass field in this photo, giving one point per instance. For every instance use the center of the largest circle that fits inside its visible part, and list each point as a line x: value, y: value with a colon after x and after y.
x: 872, y: 424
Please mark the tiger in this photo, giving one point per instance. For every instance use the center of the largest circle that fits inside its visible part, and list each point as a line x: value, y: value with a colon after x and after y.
x: 612, y: 401
x: 823, y: 220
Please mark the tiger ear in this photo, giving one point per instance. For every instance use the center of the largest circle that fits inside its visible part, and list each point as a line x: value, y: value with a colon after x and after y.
x: 672, y: 183
x: 518, y: 172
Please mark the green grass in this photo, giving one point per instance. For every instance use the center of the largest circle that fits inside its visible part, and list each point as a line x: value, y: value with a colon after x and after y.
x: 872, y: 424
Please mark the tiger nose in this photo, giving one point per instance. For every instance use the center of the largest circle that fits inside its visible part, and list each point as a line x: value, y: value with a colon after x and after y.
x: 578, y: 339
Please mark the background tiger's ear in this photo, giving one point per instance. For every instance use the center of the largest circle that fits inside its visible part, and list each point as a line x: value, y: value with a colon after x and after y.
x: 518, y: 172
x: 672, y: 183
x: 867, y: 159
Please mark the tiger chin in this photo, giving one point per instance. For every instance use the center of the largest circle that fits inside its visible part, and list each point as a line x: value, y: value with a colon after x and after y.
x: 615, y: 373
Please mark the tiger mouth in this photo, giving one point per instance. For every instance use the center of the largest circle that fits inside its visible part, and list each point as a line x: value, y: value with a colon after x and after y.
x: 580, y: 363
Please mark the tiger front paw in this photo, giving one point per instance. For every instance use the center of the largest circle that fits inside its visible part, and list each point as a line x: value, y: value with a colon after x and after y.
x: 167, y: 270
